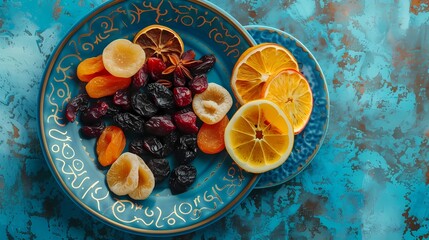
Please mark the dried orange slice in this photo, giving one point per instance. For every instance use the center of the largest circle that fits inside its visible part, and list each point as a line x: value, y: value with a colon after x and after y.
x: 259, y: 137
x: 122, y: 58
x: 159, y: 41
x: 290, y: 90
x: 254, y: 68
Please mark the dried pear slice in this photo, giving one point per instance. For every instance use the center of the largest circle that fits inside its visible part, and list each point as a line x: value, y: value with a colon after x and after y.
x: 146, y: 182
x: 123, y: 176
x: 212, y: 104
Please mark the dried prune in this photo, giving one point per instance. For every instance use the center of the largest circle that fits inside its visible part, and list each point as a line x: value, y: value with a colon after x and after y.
x: 154, y: 146
x: 143, y: 105
x: 94, y: 113
x: 112, y: 109
x: 160, y: 168
x: 186, y: 122
x: 137, y: 147
x: 199, y: 84
x: 122, y: 98
x: 75, y: 105
x: 160, y: 95
x: 181, y: 178
x: 186, y: 149
x: 182, y: 96
x: 169, y: 142
x: 206, y: 64
x: 140, y: 79
x: 93, y: 131
x: 159, y: 125
x: 129, y: 122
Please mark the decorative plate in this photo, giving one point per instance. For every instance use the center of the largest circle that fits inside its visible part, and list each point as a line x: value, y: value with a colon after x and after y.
x: 308, y: 142
x: 220, y: 184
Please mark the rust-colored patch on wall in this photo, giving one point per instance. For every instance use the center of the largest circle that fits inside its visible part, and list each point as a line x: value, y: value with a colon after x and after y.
x: 15, y: 131
x: 418, y: 6
x: 402, y: 56
x: 411, y: 222
x: 57, y: 9
x: 427, y: 176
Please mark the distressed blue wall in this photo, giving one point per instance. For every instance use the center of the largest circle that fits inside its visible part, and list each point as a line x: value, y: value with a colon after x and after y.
x: 369, y: 180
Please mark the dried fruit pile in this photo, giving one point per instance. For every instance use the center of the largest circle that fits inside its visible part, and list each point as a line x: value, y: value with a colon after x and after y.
x: 149, y: 93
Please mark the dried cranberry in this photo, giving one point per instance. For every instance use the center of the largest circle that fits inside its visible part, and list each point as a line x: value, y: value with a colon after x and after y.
x: 182, y: 96
x: 159, y: 125
x: 199, y: 84
x: 181, y: 178
x: 122, y: 99
x: 140, y: 79
x: 160, y: 95
x: 155, y: 67
x: 94, y: 113
x: 206, y: 64
x: 92, y: 131
x: 186, y: 149
x: 186, y: 122
x: 142, y: 105
x: 75, y: 105
x: 179, y: 79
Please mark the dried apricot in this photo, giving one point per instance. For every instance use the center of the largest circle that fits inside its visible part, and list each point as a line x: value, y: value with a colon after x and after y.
x: 210, y: 138
x: 106, y: 85
x: 110, y: 145
x: 90, y: 68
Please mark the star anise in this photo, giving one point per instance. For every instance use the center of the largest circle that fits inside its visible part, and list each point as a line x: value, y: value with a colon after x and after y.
x: 182, y: 64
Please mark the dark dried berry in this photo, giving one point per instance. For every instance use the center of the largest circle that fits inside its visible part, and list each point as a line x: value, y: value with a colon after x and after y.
x: 206, y: 64
x: 137, y: 147
x: 122, y: 98
x: 93, y: 131
x: 186, y: 122
x: 160, y: 95
x: 159, y: 125
x: 155, y: 67
x: 154, y: 146
x: 169, y: 142
x: 179, y: 79
x: 129, y: 122
x: 181, y: 178
x: 160, y: 168
x: 186, y: 149
x: 140, y: 79
x: 142, y: 105
x: 112, y: 110
x: 182, y: 96
x: 94, y: 113
x: 199, y: 84
x: 75, y: 105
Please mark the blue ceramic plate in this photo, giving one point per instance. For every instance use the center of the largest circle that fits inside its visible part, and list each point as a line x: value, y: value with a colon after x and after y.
x: 308, y: 142
x: 220, y: 184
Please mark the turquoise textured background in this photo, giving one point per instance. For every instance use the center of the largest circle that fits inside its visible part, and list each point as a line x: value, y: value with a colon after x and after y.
x: 369, y: 180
